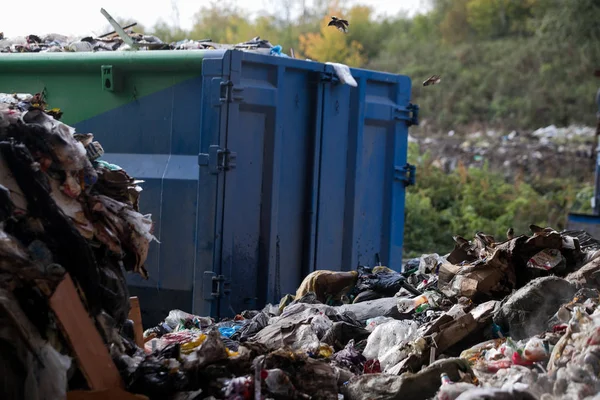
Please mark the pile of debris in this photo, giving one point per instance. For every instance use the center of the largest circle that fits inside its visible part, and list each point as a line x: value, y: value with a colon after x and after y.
x: 69, y: 225
x: 532, y: 154
x: 513, y: 319
x: 126, y: 41
x: 516, y: 319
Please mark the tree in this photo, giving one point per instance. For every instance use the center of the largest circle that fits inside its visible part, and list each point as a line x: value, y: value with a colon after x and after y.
x: 213, y: 22
x: 497, y: 18
x: 168, y: 33
x: 331, y: 45
x: 572, y: 23
x: 454, y: 26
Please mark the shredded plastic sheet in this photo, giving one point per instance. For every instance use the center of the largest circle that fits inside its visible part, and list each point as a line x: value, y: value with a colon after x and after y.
x: 388, y: 342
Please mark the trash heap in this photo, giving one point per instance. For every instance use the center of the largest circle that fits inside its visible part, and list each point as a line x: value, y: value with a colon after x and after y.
x: 63, y: 212
x: 491, y: 320
x: 56, y: 43
x: 518, y: 318
x: 533, y: 154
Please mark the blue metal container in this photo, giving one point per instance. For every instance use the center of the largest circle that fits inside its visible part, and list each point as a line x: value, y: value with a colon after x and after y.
x: 257, y: 169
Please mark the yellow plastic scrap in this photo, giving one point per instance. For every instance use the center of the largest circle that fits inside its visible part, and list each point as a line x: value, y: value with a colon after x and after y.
x: 325, y: 351
x: 190, y: 346
x: 232, y: 354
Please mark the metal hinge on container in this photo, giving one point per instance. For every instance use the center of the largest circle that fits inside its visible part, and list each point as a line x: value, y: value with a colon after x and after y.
x: 406, y: 174
x: 410, y: 114
x: 217, y: 159
x: 215, y: 286
x: 230, y: 93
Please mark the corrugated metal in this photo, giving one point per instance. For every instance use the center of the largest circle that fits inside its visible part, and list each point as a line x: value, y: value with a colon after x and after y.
x: 316, y: 182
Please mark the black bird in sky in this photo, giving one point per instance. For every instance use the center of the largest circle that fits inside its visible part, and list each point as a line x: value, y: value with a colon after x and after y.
x: 340, y: 24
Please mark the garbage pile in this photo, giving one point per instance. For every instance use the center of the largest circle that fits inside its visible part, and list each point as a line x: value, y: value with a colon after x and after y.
x: 533, y: 154
x: 491, y: 320
x: 56, y: 43
x: 63, y: 212
x: 518, y: 318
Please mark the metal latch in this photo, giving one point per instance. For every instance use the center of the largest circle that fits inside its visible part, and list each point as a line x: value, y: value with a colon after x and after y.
x: 410, y: 114
x: 329, y: 77
x: 230, y: 93
x: 217, y: 159
x: 406, y: 174
x: 215, y: 286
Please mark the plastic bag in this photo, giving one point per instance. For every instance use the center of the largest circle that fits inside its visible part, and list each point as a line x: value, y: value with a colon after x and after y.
x: 428, y: 263
x: 350, y: 359
x: 375, y: 322
x: 386, y: 282
x: 320, y: 325
x: 343, y: 73
x: 53, y: 374
x: 278, y: 383
x: 227, y: 331
x: 535, y: 350
x: 177, y: 317
x: 388, y: 340
x: 239, y: 388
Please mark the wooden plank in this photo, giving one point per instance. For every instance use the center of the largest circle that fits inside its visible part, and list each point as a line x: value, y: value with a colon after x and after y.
x: 79, y: 330
x: 135, y: 314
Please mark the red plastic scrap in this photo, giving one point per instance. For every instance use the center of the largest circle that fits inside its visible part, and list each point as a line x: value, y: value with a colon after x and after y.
x: 372, y: 367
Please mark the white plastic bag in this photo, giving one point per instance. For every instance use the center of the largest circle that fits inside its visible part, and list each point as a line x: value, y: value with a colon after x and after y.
x: 343, y: 73
x: 373, y: 323
x: 388, y: 342
x: 53, y: 374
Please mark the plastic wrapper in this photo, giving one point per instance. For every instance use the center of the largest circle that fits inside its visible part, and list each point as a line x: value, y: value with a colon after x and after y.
x: 181, y: 318
x: 384, y: 281
x: 350, y: 358
x: 277, y: 382
x: 375, y: 322
x: 428, y: 263
x: 388, y: 342
x: 535, y: 350
x: 320, y: 325
x: 53, y: 375
x: 546, y: 259
x: 240, y: 388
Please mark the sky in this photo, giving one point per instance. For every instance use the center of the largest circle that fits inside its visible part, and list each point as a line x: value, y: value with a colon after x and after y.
x: 82, y: 17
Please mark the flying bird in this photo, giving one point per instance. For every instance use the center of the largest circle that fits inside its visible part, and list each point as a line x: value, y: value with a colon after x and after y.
x: 432, y: 80
x: 510, y: 234
x: 340, y: 24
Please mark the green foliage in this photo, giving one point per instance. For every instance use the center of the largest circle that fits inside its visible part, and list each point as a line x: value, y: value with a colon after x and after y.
x: 476, y: 199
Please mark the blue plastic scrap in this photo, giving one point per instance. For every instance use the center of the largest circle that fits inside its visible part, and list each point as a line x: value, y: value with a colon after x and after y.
x: 229, y: 331
x: 276, y: 51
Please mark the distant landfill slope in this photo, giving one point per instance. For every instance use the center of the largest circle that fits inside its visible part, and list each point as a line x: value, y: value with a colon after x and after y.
x: 548, y: 152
